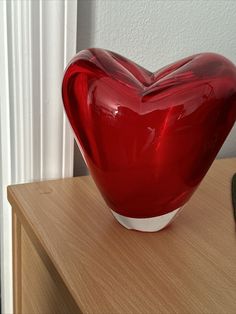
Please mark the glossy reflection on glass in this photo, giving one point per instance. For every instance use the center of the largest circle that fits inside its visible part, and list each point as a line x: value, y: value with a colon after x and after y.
x: 149, y: 138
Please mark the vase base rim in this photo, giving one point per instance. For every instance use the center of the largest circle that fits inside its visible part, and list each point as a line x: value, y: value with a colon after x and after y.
x: 151, y: 224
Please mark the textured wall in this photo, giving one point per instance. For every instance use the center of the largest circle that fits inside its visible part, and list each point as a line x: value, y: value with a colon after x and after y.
x: 154, y: 33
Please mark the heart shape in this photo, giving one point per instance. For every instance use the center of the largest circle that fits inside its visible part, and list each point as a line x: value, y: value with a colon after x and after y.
x: 149, y: 138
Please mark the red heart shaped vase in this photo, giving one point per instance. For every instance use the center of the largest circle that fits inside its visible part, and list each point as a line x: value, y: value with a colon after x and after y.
x: 149, y: 138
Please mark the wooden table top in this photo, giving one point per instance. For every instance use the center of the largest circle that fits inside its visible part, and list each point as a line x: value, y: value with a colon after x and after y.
x: 189, y: 267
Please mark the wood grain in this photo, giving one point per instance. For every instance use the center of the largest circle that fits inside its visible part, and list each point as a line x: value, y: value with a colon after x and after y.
x: 189, y: 267
x: 17, y: 288
x: 42, y: 293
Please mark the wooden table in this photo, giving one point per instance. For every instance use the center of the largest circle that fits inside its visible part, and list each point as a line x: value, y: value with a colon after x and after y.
x: 71, y: 256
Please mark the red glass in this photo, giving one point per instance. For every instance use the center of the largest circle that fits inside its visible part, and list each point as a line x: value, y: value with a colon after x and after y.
x: 149, y: 138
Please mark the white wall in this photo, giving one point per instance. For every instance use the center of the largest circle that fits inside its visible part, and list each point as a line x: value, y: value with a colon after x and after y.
x: 155, y: 33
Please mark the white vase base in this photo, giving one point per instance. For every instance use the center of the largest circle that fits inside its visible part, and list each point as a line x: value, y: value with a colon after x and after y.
x: 146, y: 224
